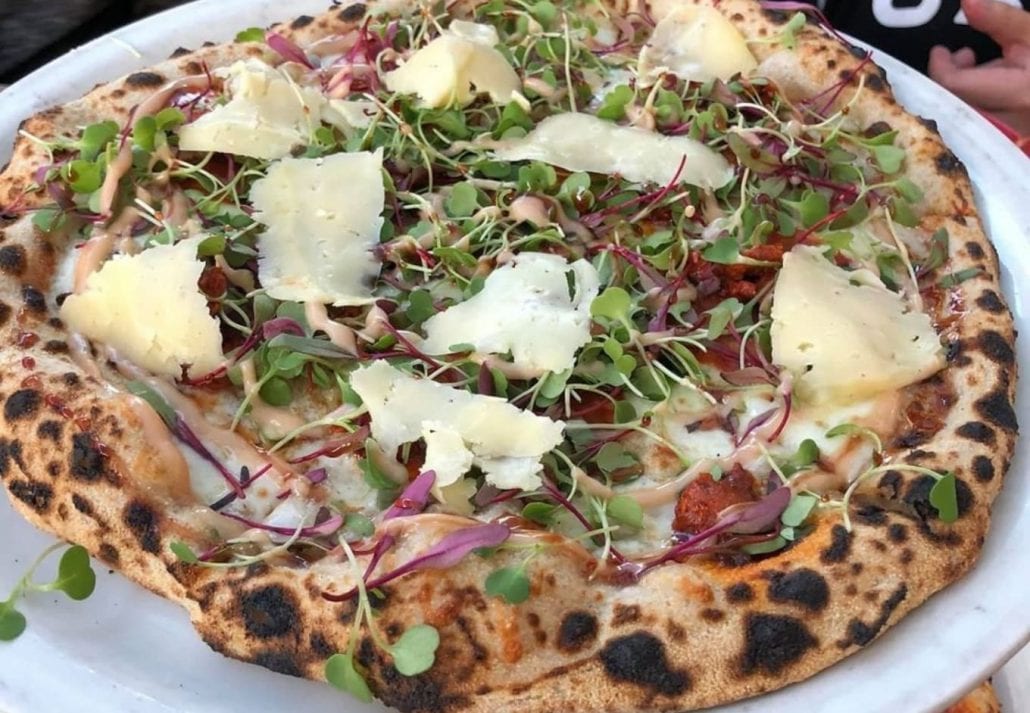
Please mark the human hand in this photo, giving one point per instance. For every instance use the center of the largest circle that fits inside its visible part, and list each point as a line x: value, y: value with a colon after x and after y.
x: 1000, y: 87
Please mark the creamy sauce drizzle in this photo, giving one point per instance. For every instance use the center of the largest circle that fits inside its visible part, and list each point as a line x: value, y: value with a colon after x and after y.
x: 157, y: 436
x: 274, y: 422
x: 339, y: 334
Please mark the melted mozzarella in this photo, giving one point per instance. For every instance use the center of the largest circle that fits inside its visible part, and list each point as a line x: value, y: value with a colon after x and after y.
x: 525, y: 308
x: 149, y: 308
x: 323, y: 217
x: 844, y: 334
x: 506, y: 441
x: 696, y: 44
x: 583, y: 142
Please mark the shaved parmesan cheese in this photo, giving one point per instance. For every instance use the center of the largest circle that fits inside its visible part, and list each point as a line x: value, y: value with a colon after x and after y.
x: 505, y: 441
x: 525, y: 308
x: 148, y: 307
x: 582, y: 142
x: 446, y: 454
x: 844, y: 334
x: 323, y: 217
x: 696, y: 44
x: 348, y: 114
x: 455, y: 67
x: 268, y: 114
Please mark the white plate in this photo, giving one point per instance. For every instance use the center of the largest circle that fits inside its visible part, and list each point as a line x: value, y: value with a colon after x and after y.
x: 127, y: 650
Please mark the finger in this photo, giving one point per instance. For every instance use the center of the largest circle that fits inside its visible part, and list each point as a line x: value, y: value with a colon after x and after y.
x: 1018, y: 121
x: 964, y: 57
x: 995, y: 88
x: 941, y: 63
x: 1007, y: 25
x: 1018, y: 55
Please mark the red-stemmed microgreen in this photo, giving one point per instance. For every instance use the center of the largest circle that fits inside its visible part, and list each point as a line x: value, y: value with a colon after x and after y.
x: 75, y: 577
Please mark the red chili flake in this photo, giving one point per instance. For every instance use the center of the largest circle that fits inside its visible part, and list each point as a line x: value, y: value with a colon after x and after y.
x: 28, y: 362
x: 26, y: 339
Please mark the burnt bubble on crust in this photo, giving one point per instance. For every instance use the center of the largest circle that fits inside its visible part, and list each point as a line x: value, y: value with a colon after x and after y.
x: 639, y: 658
x: 859, y: 633
x: 34, y: 494
x: 142, y: 520
x: 990, y: 302
x: 34, y: 299
x: 12, y: 260
x: 803, y: 587
x: 280, y: 662
x: 22, y: 404
x: 772, y: 643
x: 996, y: 408
x: 144, y: 79
x: 269, y: 612
x: 983, y: 469
x: 352, y: 13
x: 739, y: 592
x: 977, y: 431
x: 578, y: 630
x: 87, y: 463
x: 996, y: 348
x: 301, y: 21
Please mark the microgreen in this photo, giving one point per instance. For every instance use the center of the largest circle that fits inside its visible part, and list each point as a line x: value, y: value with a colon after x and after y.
x: 508, y: 583
x: 798, y: 510
x: 415, y: 651
x: 953, y: 279
x: 625, y: 510
x: 75, y: 577
x: 944, y: 497
x: 251, y: 34
x: 723, y: 250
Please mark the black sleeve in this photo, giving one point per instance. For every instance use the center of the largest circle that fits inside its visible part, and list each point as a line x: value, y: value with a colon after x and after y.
x: 907, y: 29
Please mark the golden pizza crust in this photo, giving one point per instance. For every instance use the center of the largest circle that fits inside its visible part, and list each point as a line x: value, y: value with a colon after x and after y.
x: 689, y: 636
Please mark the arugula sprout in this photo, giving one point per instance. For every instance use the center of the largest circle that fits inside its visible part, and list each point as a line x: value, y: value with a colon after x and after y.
x: 508, y: 583
x: 75, y: 577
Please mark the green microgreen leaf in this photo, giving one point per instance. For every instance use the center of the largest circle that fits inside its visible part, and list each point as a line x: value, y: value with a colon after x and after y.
x: 625, y: 412
x: 184, y: 552
x: 908, y: 190
x: 762, y: 548
x: 724, y: 251
x: 788, y: 34
x: 806, y: 455
x: 798, y: 509
x: 342, y: 674
x: 47, y: 220
x: 944, y: 498
x: 613, y: 106
x: 627, y: 511
x: 721, y: 316
x: 211, y: 246
x: 75, y: 576
x: 155, y: 400
x: 613, y: 304
x: 82, y: 176
x: 513, y: 115
x: 939, y: 250
x: 420, y: 307
x: 12, y: 621
x: 251, y: 34
x: 613, y: 456
x: 375, y: 477
x: 539, y: 512
x: 957, y: 278
x: 415, y: 651
x: 508, y: 583
x: 144, y: 133
x: 536, y: 177
x: 276, y: 392
x: 95, y: 137
x: 461, y: 202
x: 888, y: 158
x: 359, y: 525
x: 544, y: 12
x: 554, y: 384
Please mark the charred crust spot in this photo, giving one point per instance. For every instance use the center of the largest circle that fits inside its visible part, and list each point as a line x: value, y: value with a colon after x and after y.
x: 82, y: 505
x: 918, y: 497
x: 34, y: 299
x: 875, y: 82
x: 623, y: 614
x: 143, y: 521
x: 855, y: 51
x: 269, y: 612
x: 996, y: 348
x: 321, y: 646
x: 977, y: 431
x: 831, y: 64
x: 179, y: 52
x: 975, y: 250
x: 772, y: 643
x: 70, y: 379
x: 859, y: 633
x: 10, y: 451
x: 911, y: 439
x: 804, y: 587
x: 53, y: 468
x: 996, y: 408
x: 840, y: 545
x: 988, y: 300
x: 713, y: 615
x: 871, y: 515
x: 897, y: 532
x: 56, y: 346
x: 278, y: 661
x: 890, y: 483
x: 301, y: 21
x: 87, y: 463
x: 906, y: 556
x: 929, y: 124
x: 34, y: 494
x: 948, y: 163
x: 352, y: 13
x: 417, y: 694
x: 22, y: 404
x: 144, y: 79
x: 12, y: 260
x: 109, y: 554
x: 639, y: 658
x: 578, y: 630
x: 740, y: 592
x: 676, y: 632
x: 5, y: 313
x: 919, y: 454
x: 983, y: 469
x: 194, y: 68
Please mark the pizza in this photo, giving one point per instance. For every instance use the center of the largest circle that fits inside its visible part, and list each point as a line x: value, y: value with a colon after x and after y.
x: 586, y: 355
